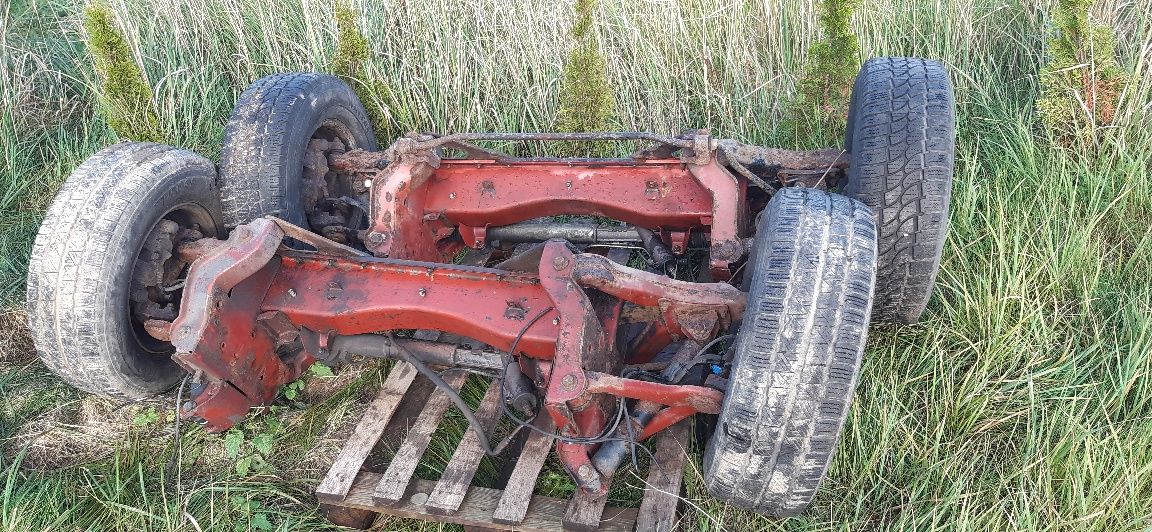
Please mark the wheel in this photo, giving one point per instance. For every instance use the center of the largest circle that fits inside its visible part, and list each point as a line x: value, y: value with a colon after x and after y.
x: 901, y: 134
x: 274, y: 156
x: 797, y: 351
x: 103, y: 264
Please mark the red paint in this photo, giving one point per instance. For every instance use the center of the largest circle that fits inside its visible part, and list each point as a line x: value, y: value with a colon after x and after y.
x: 416, y: 204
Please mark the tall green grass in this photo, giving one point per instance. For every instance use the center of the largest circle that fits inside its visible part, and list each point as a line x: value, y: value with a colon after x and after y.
x: 1023, y: 401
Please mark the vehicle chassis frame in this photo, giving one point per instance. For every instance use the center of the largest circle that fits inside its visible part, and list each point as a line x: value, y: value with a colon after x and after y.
x: 256, y: 313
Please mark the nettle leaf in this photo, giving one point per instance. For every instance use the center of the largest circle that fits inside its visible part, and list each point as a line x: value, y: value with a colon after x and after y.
x: 262, y: 443
x: 272, y: 425
x: 233, y: 440
x: 320, y: 370
x: 244, y: 465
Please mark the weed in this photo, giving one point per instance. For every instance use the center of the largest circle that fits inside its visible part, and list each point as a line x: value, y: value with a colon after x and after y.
x: 1082, y: 81
x: 126, y: 95
x: 586, y: 103
x: 349, y: 64
x: 820, y: 108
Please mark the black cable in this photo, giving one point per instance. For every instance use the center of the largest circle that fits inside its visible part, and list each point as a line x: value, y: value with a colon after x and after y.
x: 602, y: 438
x: 423, y: 369
x: 699, y: 358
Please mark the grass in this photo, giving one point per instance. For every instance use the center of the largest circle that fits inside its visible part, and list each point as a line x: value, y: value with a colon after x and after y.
x: 1022, y: 401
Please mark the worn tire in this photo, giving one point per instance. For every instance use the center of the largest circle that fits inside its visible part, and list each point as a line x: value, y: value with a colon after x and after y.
x: 262, y: 157
x: 901, y: 134
x: 797, y: 352
x: 82, y: 262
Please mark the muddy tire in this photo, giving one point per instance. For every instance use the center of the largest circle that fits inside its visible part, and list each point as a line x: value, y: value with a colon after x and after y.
x: 267, y: 142
x: 83, y: 276
x: 797, y: 352
x: 901, y: 134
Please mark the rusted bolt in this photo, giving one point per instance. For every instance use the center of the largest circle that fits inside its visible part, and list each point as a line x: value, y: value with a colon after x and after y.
x: 567, y: 184
x: 584, y: 471
x: 451, y: 195
x: 560, y: 262
x: 375, y: 238
x: 422, y: 292
x: 568, y: 382
x: 555, y: 321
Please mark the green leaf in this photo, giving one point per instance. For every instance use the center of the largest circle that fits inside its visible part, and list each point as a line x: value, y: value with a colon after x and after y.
x: 262, y: 443
x: 244, y: 465
x: 260, y: 522
x: 233, y: 440
x: 145, y: 417
x: 320, y: 370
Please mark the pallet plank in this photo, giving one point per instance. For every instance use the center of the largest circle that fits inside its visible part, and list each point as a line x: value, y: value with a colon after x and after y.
x: 395, y: 480
x: 517, y: 496
x: 662, y: 490
x: 347, y: 464
x: 453, y: 484
x: 585, y: 510
x: 544, y: 514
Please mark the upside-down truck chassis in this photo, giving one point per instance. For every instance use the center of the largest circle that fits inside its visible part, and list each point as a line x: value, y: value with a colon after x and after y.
x: 616, y: 296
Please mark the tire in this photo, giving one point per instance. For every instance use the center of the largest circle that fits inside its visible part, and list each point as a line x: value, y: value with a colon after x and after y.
x: 901, y: 134
x: 266, y: 142
x: 83, y: 274
x: 797, y: 352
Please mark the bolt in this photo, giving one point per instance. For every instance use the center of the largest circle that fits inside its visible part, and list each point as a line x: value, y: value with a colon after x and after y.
x: 568, y: 382
x: 555, y: 321
x: 451, y: 195
x: 375, y: 238
x: 560, y: 262
x: 292, y: 292
x: 584, y: 472
x: 422, y: 292
x: 367, y: 183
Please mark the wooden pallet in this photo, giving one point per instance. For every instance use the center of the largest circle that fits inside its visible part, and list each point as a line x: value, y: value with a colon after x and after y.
x: 352, y: 496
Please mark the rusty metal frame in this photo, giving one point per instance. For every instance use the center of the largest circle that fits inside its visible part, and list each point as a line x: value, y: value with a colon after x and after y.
x: 428, y: 208
x: 255, y: 314
x: 247, y: 298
